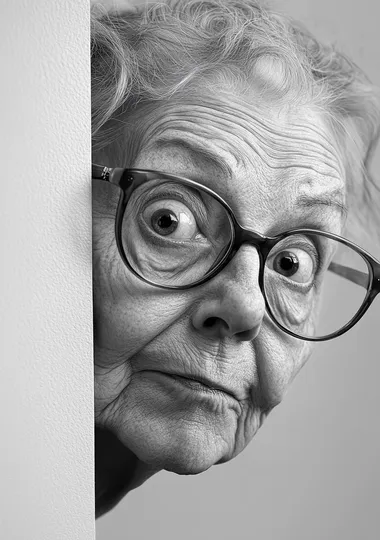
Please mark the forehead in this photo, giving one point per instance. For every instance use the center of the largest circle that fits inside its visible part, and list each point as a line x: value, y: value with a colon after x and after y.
x: 254, y: 156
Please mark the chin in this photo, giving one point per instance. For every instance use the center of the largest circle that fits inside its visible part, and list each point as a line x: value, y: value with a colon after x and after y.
x: 182, y: 447
x: 182, y: 431
x: 188, y: 465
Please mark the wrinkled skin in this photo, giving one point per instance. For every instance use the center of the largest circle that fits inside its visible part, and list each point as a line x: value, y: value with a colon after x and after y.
x: 218, y: 331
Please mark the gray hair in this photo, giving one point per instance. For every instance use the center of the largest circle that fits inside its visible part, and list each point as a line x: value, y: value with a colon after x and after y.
x: 162, y: 51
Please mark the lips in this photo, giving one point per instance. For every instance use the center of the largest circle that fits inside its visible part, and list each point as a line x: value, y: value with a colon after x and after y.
x: 201, y: 381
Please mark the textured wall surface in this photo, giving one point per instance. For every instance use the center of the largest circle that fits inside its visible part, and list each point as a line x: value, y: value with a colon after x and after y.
x: 46, y: 388
x: 313, y: 471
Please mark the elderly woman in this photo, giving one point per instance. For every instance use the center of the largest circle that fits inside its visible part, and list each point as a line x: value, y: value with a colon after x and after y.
x: 231, y: 154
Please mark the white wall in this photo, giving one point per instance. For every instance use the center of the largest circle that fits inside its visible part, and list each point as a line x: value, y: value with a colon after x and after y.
x: 46, y: 388
x: 312, y: 472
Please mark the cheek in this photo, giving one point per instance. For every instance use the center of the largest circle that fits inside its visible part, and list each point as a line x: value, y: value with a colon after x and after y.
x: 279, y: 359
x: 128, y: 314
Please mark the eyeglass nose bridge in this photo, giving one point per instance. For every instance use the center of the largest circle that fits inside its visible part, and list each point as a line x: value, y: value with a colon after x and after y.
x: 242, y: 235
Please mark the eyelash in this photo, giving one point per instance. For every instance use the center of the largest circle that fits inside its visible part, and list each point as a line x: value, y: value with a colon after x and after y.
x: 316, y: 254
x: 199, y: 212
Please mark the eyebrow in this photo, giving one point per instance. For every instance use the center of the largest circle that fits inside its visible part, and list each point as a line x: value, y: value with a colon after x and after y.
x: 332, y: 200
x: 199, y: 152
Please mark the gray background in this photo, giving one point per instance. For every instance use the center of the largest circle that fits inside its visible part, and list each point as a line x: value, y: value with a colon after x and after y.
x: 313, y: 470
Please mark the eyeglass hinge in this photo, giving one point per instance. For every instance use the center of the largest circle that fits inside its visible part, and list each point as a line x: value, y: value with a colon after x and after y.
x: 105, y: 174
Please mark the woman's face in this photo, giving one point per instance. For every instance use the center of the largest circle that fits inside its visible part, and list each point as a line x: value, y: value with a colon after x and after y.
x: 151, y: 345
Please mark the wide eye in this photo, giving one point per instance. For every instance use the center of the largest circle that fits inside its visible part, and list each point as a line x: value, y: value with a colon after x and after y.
x: 294, y: 263
x: 172, y: 219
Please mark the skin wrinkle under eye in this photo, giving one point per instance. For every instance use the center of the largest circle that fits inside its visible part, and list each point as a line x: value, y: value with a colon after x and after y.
x: 291, y: 313
x: 288, y: 310
x: 294, y: 317
x: 282, y: 290
x: 150, y: 263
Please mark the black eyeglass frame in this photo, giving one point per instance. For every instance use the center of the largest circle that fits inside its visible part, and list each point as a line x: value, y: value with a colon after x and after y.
x: 129, y: 179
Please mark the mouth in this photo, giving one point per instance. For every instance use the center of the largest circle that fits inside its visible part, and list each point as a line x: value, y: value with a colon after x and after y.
x: 199, y: 384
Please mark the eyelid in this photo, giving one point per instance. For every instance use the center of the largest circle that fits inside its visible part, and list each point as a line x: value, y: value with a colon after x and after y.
x: 318, y: 253
x: 195, y: 199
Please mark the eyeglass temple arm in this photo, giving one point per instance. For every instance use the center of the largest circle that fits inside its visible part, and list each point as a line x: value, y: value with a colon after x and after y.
x: 111, y: 175
x: 100, y: 172
x: 360, y: 278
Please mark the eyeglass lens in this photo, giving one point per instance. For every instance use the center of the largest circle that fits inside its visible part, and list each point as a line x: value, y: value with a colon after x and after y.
x: 314, y: 285
x: 174, y: 234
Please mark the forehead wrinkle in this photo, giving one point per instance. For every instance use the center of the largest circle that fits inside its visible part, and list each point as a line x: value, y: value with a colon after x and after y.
x: 272, y: 121
x: 277, y: 149
x: 283, y: 145
x: 185, y: 128
x: 295, y: 132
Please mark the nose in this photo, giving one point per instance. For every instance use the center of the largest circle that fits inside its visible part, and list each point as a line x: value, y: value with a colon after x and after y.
x: 232, y: 304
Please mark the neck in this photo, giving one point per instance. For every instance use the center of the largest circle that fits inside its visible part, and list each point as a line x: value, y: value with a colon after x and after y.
x: 117, y: 471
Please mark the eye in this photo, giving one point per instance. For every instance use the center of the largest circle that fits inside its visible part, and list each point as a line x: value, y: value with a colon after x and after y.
x: 172, y: 219
x: 294, y: 263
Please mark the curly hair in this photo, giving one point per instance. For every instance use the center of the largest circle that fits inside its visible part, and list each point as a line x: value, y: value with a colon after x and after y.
x: 158, y: 51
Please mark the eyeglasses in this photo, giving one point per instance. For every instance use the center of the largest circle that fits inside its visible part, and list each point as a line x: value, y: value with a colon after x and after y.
x: 174, y: 233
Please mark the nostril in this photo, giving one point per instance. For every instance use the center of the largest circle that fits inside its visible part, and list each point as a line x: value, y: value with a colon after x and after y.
x: 216, y: 324
x: 211, y: 321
